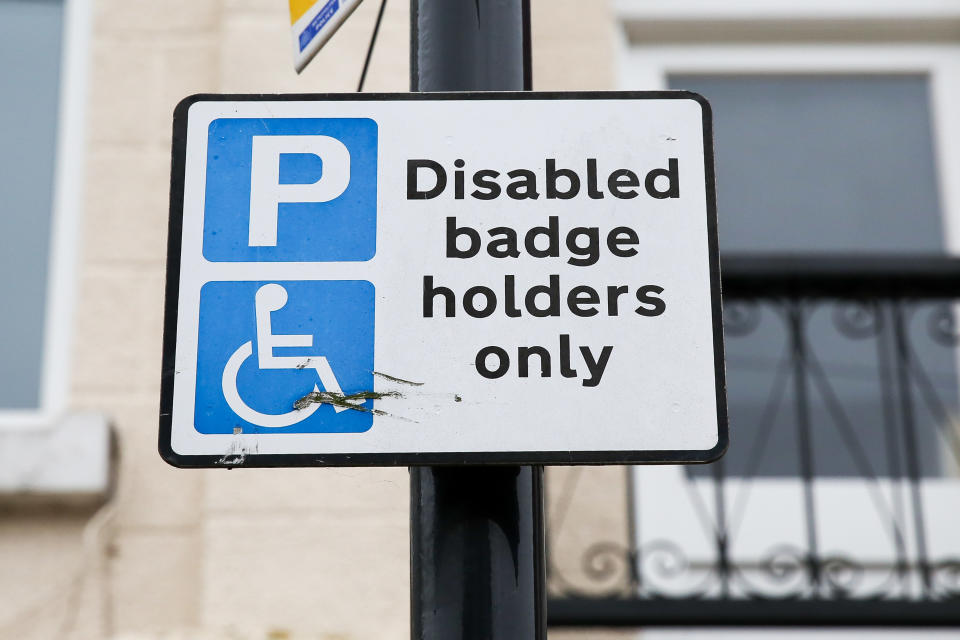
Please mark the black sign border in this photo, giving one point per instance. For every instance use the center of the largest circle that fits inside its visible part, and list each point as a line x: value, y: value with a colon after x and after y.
x: 172, y: 292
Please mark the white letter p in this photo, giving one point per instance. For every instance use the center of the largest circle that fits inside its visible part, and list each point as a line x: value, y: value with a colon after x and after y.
x: 266, y: 192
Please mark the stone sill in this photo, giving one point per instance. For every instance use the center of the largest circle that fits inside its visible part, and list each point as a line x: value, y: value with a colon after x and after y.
x: 68, y: 463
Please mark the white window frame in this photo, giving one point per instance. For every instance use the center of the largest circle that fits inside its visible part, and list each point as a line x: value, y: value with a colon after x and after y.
x: 763, y: 11
x: 65, y: 226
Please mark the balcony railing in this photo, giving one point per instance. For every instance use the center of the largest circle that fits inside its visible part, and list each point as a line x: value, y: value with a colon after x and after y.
x: 838, y: 502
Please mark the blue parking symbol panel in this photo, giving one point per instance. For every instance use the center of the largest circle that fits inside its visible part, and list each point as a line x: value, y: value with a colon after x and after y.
x: 263, y: 346
x: 290, y: 190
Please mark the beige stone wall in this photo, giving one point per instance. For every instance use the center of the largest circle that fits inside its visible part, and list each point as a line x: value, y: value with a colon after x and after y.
x: 310, y: 553
x: 573, y: 45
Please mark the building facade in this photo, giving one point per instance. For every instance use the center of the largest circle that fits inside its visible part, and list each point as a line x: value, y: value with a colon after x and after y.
x: 173, y: 553
x: 835, y: 137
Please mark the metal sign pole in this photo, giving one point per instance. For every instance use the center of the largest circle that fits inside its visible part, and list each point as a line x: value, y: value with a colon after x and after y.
x: 476, y: 533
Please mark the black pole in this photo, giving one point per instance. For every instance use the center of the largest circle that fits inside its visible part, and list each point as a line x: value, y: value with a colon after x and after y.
x: 470, y: 45
x: 476, y: 553
x: 476, y: 533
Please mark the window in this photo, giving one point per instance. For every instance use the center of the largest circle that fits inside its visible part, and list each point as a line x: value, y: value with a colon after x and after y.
x: 825, y: 149
x: 45, y: 452
x: 42, y: 50
x: 811, y: 164
x: 835, y: 136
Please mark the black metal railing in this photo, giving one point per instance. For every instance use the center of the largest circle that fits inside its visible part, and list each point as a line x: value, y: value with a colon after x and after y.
x: 838, y: 502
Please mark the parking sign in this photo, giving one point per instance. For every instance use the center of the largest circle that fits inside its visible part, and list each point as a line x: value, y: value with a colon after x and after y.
x: 318, y: 174
x: 442, y: 278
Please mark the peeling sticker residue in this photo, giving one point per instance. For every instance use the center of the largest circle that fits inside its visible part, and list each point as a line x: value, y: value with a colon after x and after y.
x: 386, y: 376
x: 237, y: 454
x: 348, y: 401
x: 416, y: 399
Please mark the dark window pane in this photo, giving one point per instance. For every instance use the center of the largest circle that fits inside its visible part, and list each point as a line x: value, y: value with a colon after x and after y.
x: 840, y: 163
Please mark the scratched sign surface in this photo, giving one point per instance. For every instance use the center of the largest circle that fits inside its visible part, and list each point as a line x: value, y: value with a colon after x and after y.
x: 439, y: 279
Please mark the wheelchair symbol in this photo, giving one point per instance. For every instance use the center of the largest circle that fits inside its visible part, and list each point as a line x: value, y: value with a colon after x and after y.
x: 270, y: 298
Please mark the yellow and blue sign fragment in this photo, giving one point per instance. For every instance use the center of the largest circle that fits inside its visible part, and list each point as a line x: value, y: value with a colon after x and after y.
x: 312, y: 23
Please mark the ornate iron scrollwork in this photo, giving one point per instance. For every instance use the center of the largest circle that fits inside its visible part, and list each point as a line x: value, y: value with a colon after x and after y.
x: 918, y: 388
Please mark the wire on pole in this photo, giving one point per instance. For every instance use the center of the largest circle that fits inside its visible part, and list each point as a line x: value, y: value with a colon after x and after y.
x: 373, y: 41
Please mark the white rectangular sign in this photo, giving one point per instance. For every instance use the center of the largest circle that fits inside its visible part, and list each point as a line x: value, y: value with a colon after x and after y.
x: 442, y: 278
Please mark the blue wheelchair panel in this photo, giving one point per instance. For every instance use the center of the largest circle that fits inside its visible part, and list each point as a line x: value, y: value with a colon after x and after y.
x: 340, y: 317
